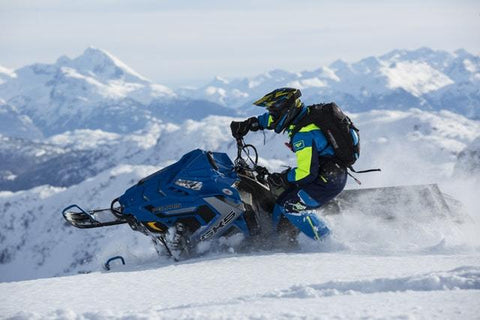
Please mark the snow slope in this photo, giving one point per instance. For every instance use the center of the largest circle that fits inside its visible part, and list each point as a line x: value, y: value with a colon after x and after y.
x: 413, y: 266
x: 261, y: 286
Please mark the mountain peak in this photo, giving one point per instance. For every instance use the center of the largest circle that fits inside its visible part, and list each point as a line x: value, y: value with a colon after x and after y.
x: 338, y: 64
x: 103, y: 65
x: 97, y: 54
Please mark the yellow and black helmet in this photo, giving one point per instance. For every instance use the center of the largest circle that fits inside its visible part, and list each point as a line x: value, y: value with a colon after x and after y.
x: 283, y: 105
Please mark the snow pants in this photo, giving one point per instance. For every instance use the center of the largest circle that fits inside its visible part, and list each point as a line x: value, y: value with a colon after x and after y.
x: 290, y: 204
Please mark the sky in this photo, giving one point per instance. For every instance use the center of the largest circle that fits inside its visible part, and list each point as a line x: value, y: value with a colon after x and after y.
x: 189, y: 42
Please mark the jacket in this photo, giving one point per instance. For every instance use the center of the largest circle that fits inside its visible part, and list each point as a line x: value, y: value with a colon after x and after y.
x: 309, y: 144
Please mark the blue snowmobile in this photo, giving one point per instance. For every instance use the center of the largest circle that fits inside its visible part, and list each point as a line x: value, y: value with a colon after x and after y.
x: 202, y: 197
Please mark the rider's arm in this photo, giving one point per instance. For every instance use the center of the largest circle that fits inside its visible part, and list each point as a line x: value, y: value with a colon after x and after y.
x: 308, y: 144
x: 305, y: 150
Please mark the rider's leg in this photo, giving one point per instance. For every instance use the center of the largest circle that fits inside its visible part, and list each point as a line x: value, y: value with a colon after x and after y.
x: 293, y: 203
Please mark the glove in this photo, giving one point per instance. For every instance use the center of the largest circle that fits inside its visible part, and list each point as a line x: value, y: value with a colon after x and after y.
x: 241, y: 128
x: 278, y: 180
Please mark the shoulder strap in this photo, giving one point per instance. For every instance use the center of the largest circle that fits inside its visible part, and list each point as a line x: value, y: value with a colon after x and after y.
x: 305, y: 121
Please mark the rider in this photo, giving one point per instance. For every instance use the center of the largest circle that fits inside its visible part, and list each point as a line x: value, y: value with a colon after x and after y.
x: 316, y: 179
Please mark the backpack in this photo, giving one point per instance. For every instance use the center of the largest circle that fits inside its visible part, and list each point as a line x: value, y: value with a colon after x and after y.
x: 339, y: 130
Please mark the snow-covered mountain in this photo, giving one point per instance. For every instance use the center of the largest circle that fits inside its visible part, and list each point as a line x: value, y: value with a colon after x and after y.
x: 97, y: 91
x: 400, y: 80
x: 71, y: 157
x: 94, y: 91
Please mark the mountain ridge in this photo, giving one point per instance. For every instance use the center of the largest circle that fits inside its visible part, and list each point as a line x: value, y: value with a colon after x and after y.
x: 425, y: 78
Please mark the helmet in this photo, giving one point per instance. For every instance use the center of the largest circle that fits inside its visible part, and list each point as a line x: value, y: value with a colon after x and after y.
x: 284, y: 105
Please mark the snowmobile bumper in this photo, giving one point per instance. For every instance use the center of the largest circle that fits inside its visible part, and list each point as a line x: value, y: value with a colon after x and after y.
x: 82, y: 219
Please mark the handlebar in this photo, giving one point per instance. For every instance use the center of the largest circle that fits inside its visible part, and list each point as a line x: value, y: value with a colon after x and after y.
x: 242, y: 162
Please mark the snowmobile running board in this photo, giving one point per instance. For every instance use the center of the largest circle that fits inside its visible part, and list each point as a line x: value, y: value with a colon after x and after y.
x: 92, y: 218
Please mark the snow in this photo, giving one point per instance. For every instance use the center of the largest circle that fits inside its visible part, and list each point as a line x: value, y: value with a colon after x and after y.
x: 83, y: 139
x: 470, y: 66
x: 103, y: 63
x: 215, y: 91
x: 307, y: 83
x: 278, y: 285
x: 417, y: 78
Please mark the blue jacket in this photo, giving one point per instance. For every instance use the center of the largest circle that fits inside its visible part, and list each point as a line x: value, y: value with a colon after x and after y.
x: 308, y: 144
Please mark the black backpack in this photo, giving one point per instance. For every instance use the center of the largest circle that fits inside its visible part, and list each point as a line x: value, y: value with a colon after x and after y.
x: 339, y: 130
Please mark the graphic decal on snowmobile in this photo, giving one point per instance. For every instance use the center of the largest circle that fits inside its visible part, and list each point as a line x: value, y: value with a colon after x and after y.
x: 155, y: 226
x: 228, y: 192
x: 189, y: 184
x: 220, y: 226
x: 161, y: 209
x: 232, y: 213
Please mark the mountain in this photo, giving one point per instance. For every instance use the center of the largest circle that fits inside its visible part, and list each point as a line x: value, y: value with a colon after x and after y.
x: 71, y: 157
x: 97, y: 91
x: 16, y: 125
x: 18, y: 156
x: 94, y: 91
x: 399, y: 80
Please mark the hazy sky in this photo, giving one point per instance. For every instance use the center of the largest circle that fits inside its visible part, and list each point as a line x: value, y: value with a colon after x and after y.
x: 181, y: 42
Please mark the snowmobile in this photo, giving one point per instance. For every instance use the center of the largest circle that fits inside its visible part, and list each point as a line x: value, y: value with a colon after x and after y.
x: 202, y: 197
x: 206, y: 197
